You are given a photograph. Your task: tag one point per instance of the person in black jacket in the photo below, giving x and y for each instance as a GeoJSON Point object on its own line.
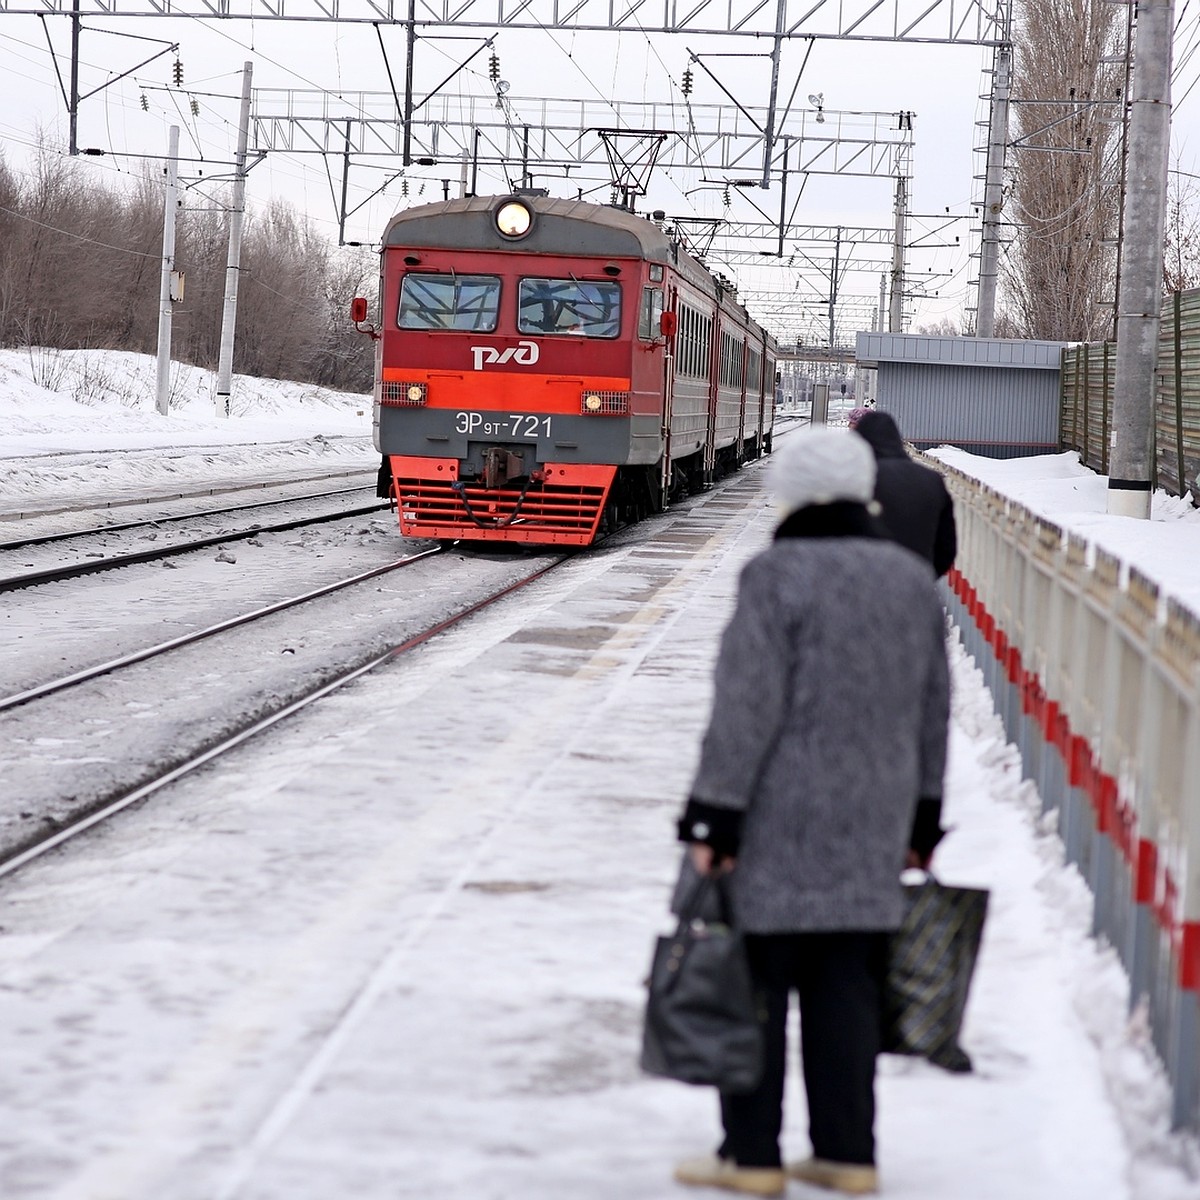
{"type": "Point", "coordinates": [917, 509]}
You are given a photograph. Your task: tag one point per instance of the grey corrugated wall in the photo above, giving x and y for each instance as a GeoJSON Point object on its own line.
{"type": "Point", "coordinates": [996, 411]}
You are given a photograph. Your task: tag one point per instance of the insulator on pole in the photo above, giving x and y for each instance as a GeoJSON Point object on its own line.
{"type": "Point", "coordinates": [687, 82]}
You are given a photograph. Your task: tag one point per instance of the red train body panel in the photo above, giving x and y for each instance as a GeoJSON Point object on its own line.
{"type": "Point", "coordinates": [528, 385]}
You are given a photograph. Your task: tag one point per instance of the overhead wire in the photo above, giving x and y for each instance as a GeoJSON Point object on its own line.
{"type": "Point", "coordinates": [79, 237]}
{"type": "Point", "coordinates": [300, 169]}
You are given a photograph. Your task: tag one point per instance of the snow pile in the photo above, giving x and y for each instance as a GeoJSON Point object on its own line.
{"type": "Point", "coordinates": [78, 422]}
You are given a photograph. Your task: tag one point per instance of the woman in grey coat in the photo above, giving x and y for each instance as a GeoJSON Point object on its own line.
{"type": "Point", "coordinates": [820, 773]}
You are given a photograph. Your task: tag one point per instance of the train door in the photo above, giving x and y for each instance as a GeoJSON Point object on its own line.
{"type": "Point", "coordinates": [668, 390]}
{"type": "Point", "coordinates": [714, 391]}
{"type": "Point", "coordinates": [743, 375]}
{"type": "Point", "coordinates": [760, 397]}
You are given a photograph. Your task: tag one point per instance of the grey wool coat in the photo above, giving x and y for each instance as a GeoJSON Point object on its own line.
{"type": "Point", "coordinates": [829, 720]}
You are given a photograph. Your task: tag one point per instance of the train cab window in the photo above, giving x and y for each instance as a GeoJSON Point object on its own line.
{"type": "Point", "coordinates": [650, 314]}
{"type": "Point", "coordinates": [469, 303]}
{"type": "Point", "coordinates": [583, 307]}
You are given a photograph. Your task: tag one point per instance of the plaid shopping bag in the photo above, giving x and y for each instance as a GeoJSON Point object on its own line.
{"type": "Point", "coordinates": [932, 960]}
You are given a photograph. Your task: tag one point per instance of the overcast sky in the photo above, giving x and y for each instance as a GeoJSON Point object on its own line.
{"type": "Point", "coordinates": [940, 84]}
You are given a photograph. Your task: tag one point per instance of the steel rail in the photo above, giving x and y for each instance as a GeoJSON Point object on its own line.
{"type": "Point", "coordinates": [111, 806]}
{"type": "Point", "coordinates": [54, 574]}
{"type": "Point", "coordinates": [125, 526]}
{"type": "Point", "coordinates": [187, 639]}
{"type": "Point", "coordinates": [224, 488]}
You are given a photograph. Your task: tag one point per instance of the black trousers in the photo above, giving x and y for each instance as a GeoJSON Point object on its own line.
{"type": "Point", "coordinates": [839, 978]}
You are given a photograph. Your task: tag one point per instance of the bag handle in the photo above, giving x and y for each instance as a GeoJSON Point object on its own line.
{"type": "Point", "coordinates": [695, 904]}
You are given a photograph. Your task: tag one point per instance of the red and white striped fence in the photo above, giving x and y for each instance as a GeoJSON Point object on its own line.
{"type": "Point", "coordinates": [1097, 679]}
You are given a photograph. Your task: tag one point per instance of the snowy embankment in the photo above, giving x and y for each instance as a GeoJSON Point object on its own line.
{"type": "Point", "coordinates": [79, 424]}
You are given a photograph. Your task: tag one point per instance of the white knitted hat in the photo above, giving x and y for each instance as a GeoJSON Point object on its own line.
{"type": "Point", "coordinates": [820, 465]}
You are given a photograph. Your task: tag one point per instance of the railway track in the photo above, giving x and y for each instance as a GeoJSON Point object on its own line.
{"type": "Point", "coordinates": [50, 539]}
{"type": "Point", "coordinates": [111, 562]}
{"type": "Point", "coordinates": [21, 852]}
{"type": "Point", "coordinates": [20, 508]}
{"type": "Point", "coordinates": [50, 687]}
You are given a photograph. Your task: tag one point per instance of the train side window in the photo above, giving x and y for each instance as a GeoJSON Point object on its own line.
{"type": "Point", "coordinates": [688, 349]}
{"type": "Point", "coordinates": [583, 307]}
{"type": "Point", "coordinates": [469, 303]}
{"type": "Point", "coordinates": [753, 371]}
{"type": "Point", "coordinates": [651, 313]}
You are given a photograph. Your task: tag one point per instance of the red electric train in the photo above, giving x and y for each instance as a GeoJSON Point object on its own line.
{"type": "Point", "coordinates": [546, 368]}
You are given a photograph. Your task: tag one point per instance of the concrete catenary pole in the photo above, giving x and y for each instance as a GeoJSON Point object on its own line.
{"type": "Point", "coordinates": [162, 387]}
{"type": "Point", "coordinates": [993, 193]}
{"type": "Point", "coordinates": [1139, 305]}
{"type": "Point", "coordinates": [73, 102]}
{"type": "Point", "coordinates": [896, 305]}
{"type": "Point", "coordinates": [234, 260]}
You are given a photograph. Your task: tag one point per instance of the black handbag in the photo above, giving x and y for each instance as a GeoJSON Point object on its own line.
{"type": "Point", "coordinates": [703, 1020]}
{"type": "Point", "coordinates": [932, 960]}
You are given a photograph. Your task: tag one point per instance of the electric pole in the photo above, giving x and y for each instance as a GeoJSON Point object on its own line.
{"type": "Point", "coordinates": [161, 400]}
{"type": "Point", "coordinates": [993, 193]}
{"type": "Point", "coordinates": [896, 307]}
{"type": "Point", "coordinates": [1139, 304]}
{"type": "Point", "coordinates": [234, 260]}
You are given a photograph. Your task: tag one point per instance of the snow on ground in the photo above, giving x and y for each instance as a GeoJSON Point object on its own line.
{"type": "Point", "coordinates": [1060, 489]}
{"type": "Point", "coordinates": [81, 421]}
{"type": "Point", "coordinates": [275, 1002]}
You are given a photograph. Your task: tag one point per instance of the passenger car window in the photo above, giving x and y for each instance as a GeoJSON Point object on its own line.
{"type": "Point", "coordinates": [651, 312]}
{"type": "Point", "coordinates": [462, 302]}
{"type": "Point", "coordinates": [588, 308]}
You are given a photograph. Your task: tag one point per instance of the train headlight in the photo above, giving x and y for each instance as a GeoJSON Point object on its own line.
{"type": "Point", "coordinates": [514, 219]}
{"type": "Point", "coordinates": [604, 404]}
{"type": "Point", "coordinates": [402, 393]}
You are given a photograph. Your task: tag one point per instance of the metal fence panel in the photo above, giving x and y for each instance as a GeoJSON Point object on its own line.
{"type": "Point", "coordinates": [1097, 678]}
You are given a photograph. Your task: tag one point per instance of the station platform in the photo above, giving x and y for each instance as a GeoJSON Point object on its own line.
{"type": "Point", "coordinates": [398, 949]}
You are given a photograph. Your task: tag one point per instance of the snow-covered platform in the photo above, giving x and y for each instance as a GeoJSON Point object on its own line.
{"type": "Point", "coordinates": [397, 949]}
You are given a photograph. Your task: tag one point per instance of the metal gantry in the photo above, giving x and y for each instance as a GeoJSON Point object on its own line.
{"type": "Point", "coordinates": [558, 135]}
{"type": "Point", "coordinates": [953, 22]}
{"type": "Point", "coordinates": [755, 151]}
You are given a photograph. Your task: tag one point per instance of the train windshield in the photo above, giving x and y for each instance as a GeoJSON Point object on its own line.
{"type": "Point", "coordinates": [591, 308]}
{"type": "Point", "coordinates": [462, 302]}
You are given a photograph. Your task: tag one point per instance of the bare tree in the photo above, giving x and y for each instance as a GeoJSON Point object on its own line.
{"type": "Point", "coordinates": [1181, 252]}
{"type": "Point", "coordinates": [943, 328]}
{"type": "Point", "coordinates": [81, 268]}
{"type": "Point", "coordinates": [1068, 90]}
{"type": "Point", "coordinates": [202, 240]}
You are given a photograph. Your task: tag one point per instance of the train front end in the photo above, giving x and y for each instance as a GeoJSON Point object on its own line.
{"type": "Point", "coordinates": [508, 391]}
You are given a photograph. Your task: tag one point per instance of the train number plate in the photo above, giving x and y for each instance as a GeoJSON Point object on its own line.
{"type": "Point", "coordinates": [512, 425]}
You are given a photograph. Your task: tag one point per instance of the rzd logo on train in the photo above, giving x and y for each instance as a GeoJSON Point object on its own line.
{"type": "Point", "coordinates": [525, 353]}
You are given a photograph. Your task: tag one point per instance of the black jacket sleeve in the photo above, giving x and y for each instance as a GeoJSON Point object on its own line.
{"type": "Point", "coordinates": [945, 541]}
{"type": "Point", "coordinates": [720, 828]}
{"type": "Point", "coordinates": [927, 828]}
